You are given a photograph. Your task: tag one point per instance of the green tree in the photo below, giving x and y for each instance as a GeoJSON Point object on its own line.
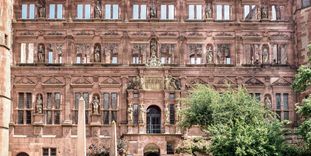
{"type": "Point", "coordinates": [301, 83]}
{"type": "Point", "coordinates": [236, 122]}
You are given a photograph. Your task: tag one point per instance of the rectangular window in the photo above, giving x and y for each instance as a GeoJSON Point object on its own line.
{"type": "Point", "coordinates": [195, 12]}
{"type": "Point", "coordinates": [278, 101]}
{"type": "Point", "coordinates": [52, 11]}
{"type": "Point", "coordinates": [83, 11]}
{"type": "Point", "coordinates": [167, 12]}
{"type": "Point", "coordinates": [52, 108]}
{"type": "Point", "coordinates": [250, 12]}
{"type": "Point", "coordinates": [285, 101]}
{"type": "Point", "coordinates": [28, 11]}
{"type": "Point", "coordinates": [306, 3]}
{"type": "Point", "coordinates": [139, 11]}
{"type": "Point", "coordinates": [49, 151]}
{"type": "Point", "coordinates": [76, 107]}
{"type": "Point", "coordinates": [223, 12]}
{"type": "Point", "coordinates": [24, 11]}
{"type": "Point", "coordinates": [110, 104]}
{"type": "Point", "coordinates": [111, 11]}
{"type": "Point", "coordinates": [257, 96]}
{"type": "Point", "coordinates": [50, 57]}
{"type": "Point", "coordinates": [56, 11]}
{"type": "Point", "coordinates": [59, 11]}
{"type": "Point", "coordinates": [170, 148]}
{"type": "Point", "coordinates": [27, 53]}
{"type": "Point", "coordinates": [273, 12]}
{"type": "Point", "coordinates": [114, 60]}
{"type": "Point", "coordinates": [172, 114]}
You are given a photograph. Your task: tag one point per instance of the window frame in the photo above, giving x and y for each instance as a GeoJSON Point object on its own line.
{"type": "Point", "coordinates": [111, 8]}
{"type": "Point", "coordinates": [57, 15]}
{"type": "Point", "coordinates": [195, 12]}
{"type": "Point", "coordinates": [140, 15]}
{"type": "Point", "coordinates": [30, 14]}
{"type": "Point", "coordinates": [223, 12]}
{"type": "Point", "coordinates": [167, 12]}
{"type": "Point", "coordinates": [85, 7]}
{"type": "Point", "coordinates": [25, 108]}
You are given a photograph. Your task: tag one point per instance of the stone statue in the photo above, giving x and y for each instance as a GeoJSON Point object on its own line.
{"type": "Point", "coordinates": [142, 115]}
{"type": "Point", "coordinates": [208, 11]}
{"type": "Point", "coordinates": [95, 105]}
{"type": "Point", "coordinates": [39, 104]}
{"type": "Point", "coordinates": [41, 8]}
{"type": "Point", "coordinates": [265, 55]}
{"type": "Point", "coordinates": [97, 53]}
{"type": "Point", "coordinates": [130, 114]}
{"type": "Point", "coordinates": [268, 102]}
{"type": "Point", "coordinates": [257, 54]}
{"type": "Point", "coordinates": [41, 53]}
{"type": "Point", "coordinates": [167, 115]}
{"type": "Point", "coordinates": [209, 55]}
{"type": "Point", "coordinates": [171, 83]}
{"type": "Point", "coordinates": [98, 9]}
{"type": "Point", "coordinates": [278, 12]}
{"type": "Point", "coordinates": [153, 47]}
{"type": "Point", "coordinates": [264, 12]}
{"type": "Point", "coordinates": [153, 11]}
{"type": "Point", "coordinates": [142, 83]}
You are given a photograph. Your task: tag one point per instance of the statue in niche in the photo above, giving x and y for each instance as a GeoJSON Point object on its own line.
{"type": "Point", "coordinates": [142, 115]}
{"type": "Point", "coordinates": [142, 83]}
{"type": "Point", "coordinates": [167, 115]}
{"type": "Point", "coordinates": [278, 12]}
{"type": "Point", "coordinates": [41, 8]}
{"type": "Point", "coordinates": [209, 54]}
{"type": "Point", "coordinates": [268, 102]}
{"type": "Point", "coordinates": [264, 12]}
{"type": "Point", "coordinates": [208, 10]}
{"type": "Point", "coordinates": [265, 55]}
{"type": "Point", "coordinates": [41, 53]}
{"type": "Point", "coordinates": [130, 114]}
{"type": "Point", "coordinates": [39, 104]}
{"type": "Point", "coordinates": [59, 49]}
{"type": "Point", "coordinates": [153, 47]}
{"type": "Point", "coordinates": [97, 53]}
{"type": "Point", "coordinates": [95, 105]}
{"type": "Point", "coordinates": [257, 54]}
{"type": "Point", "coordinates": [98, 9]}
{"type": "Point", "coordinates": [153, 11]}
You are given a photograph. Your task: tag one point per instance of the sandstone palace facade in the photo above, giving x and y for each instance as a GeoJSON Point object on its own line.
{"type": "Point", "coordinates": [132, 61]}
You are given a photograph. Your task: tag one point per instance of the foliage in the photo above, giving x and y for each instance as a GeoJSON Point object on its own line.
{"type": "Point", "coordinates": [302, 79]}
{"type": "Point", "coordinates": [301, 83]}
{"type": "Point", "coordinates": [193, 146]}
{"type": "Point", "coordinates": [237, 122]}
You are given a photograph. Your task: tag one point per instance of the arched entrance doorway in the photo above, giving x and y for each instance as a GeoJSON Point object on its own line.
{"type": "Point", "coordinates": [22, 154]}
{"type": "Point", "coordinates": [151, 150]}
{"type": "Point", "coordinates": [153, 119]}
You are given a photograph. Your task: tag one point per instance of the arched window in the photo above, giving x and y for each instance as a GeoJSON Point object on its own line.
{"type": "Point", "coordinates": [22, 154]}
{"type": "Point", "coordinates": [153, 119]}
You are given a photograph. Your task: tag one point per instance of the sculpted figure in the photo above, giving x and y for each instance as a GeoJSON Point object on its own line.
{"type": "Point", "coordinates": [153, 11]}
{"type": "Point", "coordinates": [208, 11]}
{"type": "Point", "coordinates": [142, 115]}
{"type": "Point", "coordinates": [265, 55]}
{"type": "Point", "coordinates": [130, 114]}
{"type": "Point", "coordinates": [97, 54]}
{"type": "Point", "coordinates": [41, 53]}
{"type": "Point", "coordinates": [209, 54]}
{"type": "Point", "coordinates": [41, 8]}
{"type": "Point", "coordinates": [95, 104]}
{"type": "Point", "coordinates": [268, 102]}
{"type": "Point", "coordinates": [153, 47]}
{"type": "Point", "coordinates": [98, 9]}
{"type": "Point", "coordinates": [167, 115]}
{"type": "Point", "coordinates": [39, 104]}
{"type": "Point", "coordinates": [264, 12]}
